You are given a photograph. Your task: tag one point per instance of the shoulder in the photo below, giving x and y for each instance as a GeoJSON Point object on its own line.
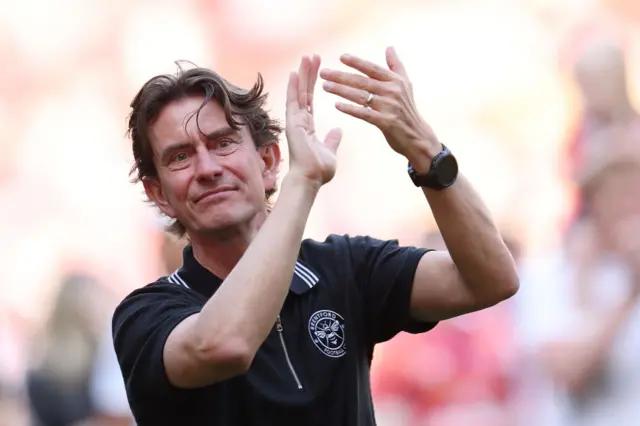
{"type": "Point", "coordinates": [141, 325]}
{"type": "Point", "coordinates": [160, 290]}
{"type": "Point", "coordinates": [361, 254]}
{"type": "Point", "coordinates": [332, 242]}
{"type": "Point", "coordinates": [153, 301]}
{"type": "Point", "coordinates": [340, 244]}
{"type": "Point", "coordinates": [358, 249]}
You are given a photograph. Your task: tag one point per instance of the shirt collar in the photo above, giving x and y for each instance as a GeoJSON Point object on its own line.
{"type": "Point", "coordinates": [196, 277]}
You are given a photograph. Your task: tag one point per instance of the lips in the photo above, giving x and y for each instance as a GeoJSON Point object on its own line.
{"type": "Point", "coordinates": [218, 190]}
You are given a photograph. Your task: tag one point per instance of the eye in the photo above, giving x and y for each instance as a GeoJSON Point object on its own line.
{"type": "Point", "coordinates": [179, 157]}
{"type": "Point", "coordinates": [225, 146]}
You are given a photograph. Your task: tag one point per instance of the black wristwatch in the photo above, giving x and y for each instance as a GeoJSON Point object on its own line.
{"type": "Point", "coordinates": [442, 173]}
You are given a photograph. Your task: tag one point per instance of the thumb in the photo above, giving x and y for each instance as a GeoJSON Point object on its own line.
{"type": "Point", "coordinates": [333, 138]}
{"type": "Point", "coordinates": [394, 62]}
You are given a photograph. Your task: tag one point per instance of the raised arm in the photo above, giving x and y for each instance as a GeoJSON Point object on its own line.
{"type": "Point", "coordinates": [478, 270]}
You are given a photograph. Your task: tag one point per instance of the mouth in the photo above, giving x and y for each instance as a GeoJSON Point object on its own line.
{"type": "Point", "coordinates": [218, 192]}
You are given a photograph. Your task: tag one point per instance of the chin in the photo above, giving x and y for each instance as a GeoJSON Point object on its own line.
{"type": "Point", "coordinates": [224, 220]}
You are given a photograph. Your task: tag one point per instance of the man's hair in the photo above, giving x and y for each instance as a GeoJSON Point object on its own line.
{"type": "Point", "coordinates": [241, 107]}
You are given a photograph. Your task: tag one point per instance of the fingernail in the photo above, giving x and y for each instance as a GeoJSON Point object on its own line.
{"type": "Point", "coordinates": [346, 57]}
{"type": "Point", "coordinates": [339, 105]}
{"type": "Point", "coordinates": [327, 85]}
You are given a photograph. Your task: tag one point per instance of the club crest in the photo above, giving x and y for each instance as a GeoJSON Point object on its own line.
{"type": "Point", "coordinates": [326, 329]}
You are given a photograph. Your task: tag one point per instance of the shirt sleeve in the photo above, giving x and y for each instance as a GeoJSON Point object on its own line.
{"type": "Point", "coordinates": [141, 325]}
{"type": "Point", "coordinates": [384, 273]}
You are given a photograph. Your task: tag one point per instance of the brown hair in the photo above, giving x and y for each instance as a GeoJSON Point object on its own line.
{"type": "Point", "coordinates": [241, 107]}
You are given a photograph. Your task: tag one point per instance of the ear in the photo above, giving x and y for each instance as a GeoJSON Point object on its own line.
{"type": "Point", "coordinates": [154, 191]}
{"type": "Point", "coordinates": [271, 157]}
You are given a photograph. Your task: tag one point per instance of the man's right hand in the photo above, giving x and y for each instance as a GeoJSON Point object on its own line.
{"type": "Point", "coordinates": [309, 158]}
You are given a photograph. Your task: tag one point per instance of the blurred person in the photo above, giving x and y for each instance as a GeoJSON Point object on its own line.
{"type": "Point", "coordinates": [64, 353]}
{"type": "Point", "coordinates": [106, 389]}
{"type": "Point", "coordinates": [581, 351]}
{"type": "Point", "coordinates": [460, 373]}
{"type": "Point", "coordinates": [259, 327]}
{"type": "Point", "coordinates": [601, 75]}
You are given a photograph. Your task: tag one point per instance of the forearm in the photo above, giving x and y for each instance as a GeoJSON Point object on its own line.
{"type": "Point", "coordinates": [473, 241]}
{"type": "Point", "coordinates": [247, 303]}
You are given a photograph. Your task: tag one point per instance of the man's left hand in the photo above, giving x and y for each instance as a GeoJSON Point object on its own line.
{"type": "Point", "coordinates": [384, 98]}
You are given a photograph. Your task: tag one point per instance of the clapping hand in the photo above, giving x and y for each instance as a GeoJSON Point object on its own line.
{"type": "Point", "coordinates": [384, 98]}
{"type": "Point", "coordinates": [309, 158]}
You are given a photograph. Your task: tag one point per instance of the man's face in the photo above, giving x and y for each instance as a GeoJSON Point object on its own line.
{"type": "Point", "coordinates": [212, 182]}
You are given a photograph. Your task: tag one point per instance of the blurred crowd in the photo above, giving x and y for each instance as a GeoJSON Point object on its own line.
{"type": "Point", "coordinates": [538, 98]}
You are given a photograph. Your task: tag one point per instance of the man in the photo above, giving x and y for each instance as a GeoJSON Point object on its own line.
{"type": "Point", "coordinates": [258, 327]}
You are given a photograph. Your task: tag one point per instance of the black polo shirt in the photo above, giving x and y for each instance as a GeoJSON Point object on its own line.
{"type": "Point", "coordinates": [347, 294]}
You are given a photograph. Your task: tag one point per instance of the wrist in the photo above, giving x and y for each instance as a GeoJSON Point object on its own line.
{"type": "Point", "coordinates": [296, 197]}
{"type": "Point", "coordinates": [299, 184]}
{"type": "Point", "coordinates": [421, 155]}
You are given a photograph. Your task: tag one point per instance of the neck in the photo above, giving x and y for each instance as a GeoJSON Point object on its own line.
{"type": "Point", "coordinates": [220, 251]}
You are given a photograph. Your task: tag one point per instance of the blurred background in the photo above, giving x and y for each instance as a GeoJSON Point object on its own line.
{"type": "Point", "coordinates": [537, 98]}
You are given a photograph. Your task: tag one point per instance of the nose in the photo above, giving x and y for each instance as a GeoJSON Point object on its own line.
{"type": "Point", "coordinates": [207, 165]}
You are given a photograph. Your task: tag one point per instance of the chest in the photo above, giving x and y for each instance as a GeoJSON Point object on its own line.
{"type": "Point", "coordinates": [312, 369]}
{"type": "Point", "coordinates": [313, 347]}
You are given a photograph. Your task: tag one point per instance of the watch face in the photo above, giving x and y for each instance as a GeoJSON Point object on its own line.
{"type": "Point", "coordinates": [447, 170]}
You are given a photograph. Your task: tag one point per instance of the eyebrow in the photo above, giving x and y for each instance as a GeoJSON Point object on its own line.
{"type": "Point", "coordinates": [216, 134]}
{"type": "Point", "coordinates": [168, 151]}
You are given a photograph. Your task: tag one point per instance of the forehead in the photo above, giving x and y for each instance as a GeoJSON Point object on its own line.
{"type": "Point", "coordinates": [176, 122]}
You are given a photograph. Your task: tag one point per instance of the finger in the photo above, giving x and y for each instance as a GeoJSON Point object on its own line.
{"type": "Point", "coordinates": [292, 93]}
{"type": "Point", "coordinates": [333, 138]}
{"type": "Point", "coordinates": [303, 76]}
{"type": "Point", "coordinates": [349, 93]}
{"type": "Point", "coordinates": [313, 78]}
{"type": "Point", "coordinates": [394, 63]}
{"type": "Point", "coordinates": [367, 114]}
{"type": "Point", "coordinates": [367, 68]}
{"type": "Point", "coordinates": [352, 80]}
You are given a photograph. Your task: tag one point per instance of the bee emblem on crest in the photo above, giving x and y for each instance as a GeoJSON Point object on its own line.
{"type": "Point", "coordinates": [326, 329]}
